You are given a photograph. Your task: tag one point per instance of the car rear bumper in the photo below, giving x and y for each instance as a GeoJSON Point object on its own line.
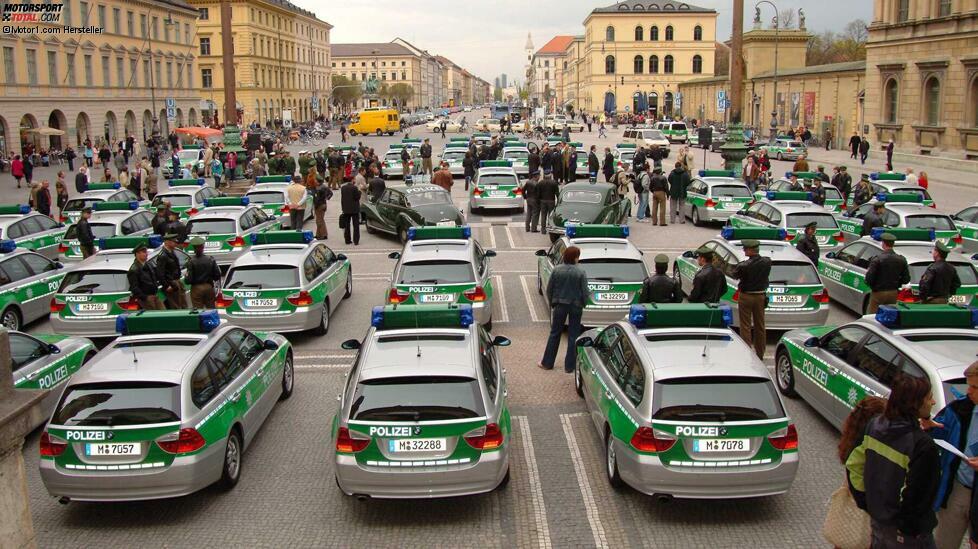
{"type": "Point", "coordinates": [510, 203]}
{"type": "Point", "coordinates": [787, 318]}
{"type": "Point", "coordinates": [302, 319]}
{"type": "Point", "coordinates": [90, 326]}
{"type": "Point", "coordinates": [602, 315]}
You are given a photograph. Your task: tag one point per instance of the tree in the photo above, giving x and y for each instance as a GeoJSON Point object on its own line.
{"type": "Point", "coordinates": [787, 18]}
{"type": "Point", "coordinates": [401, 93]}
{"type": "Point", "coordinates": [829, 47]}
{"type": "Point", "coordinates": [345, 91]}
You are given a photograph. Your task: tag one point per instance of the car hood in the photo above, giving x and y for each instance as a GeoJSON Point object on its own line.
{"type": "Point", "coordinates": [437, 212]}
{"type": "Point", "coordinates": [576, 212]}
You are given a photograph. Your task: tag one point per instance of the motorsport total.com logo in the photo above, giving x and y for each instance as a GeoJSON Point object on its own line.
{"type": "Point", "coordinates": [31, 13]}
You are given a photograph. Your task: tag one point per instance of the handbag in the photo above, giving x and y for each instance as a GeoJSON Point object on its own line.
{"type": "Point", "coordinates": [344, 221]}
{"type": "Point", "coordinates": [846, 525]}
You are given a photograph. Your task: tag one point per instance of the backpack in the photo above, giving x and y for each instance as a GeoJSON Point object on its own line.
{"type": "Point", "coordinates": [640, 184]}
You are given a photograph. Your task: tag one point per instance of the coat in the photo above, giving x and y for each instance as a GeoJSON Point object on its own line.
{"type": "Point", "coordinates": [81, 182]}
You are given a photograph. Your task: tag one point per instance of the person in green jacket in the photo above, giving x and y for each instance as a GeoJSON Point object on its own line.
{"type": "Point", "coordinates": [678, 183]}
{"type": "Point", "coordinates": [287, 164]}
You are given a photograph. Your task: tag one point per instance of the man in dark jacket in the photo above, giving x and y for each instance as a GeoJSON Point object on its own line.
{"type": "Point", "coordinates": [168, 273]}
{"type": "Point", "coordinates": [940, 281]}
{"type": "Point", "coordinates": [533, 161]}
{"type": "Point", "coordinates": [377, 186]}
{"type": "Point", "coordinates": [532, 202]}
{"type": "Point", "coordinates": [160, 219]}
{"type": "Point", "coordinates": [659, 186]}
{"type": "Point", "coordinates": [547, 191]}
{"type": "Point", "coordinates": [570, 167]}
{"type": "Point", "coordinates": [608, 167]}
{"type": "Point", "coordinates": [175, 226]}
{"type": "Point", "coordinates": [566, 293]}
{"type": "Point", "coordinates": [661, 288]}
{"type": "Point", "coordinates": [678, 183]}
{"type": "Point", "coordinates": [807, 244]}
{"type": "Point", "coordinates": [320, 198]}
{"type": "Point", "coordinates": [143, 281]}
{"type": "Point", "coordinates": [873, 219]}
{"type": "Point", "coordinates": [638, 161]}
{"type": "Point", "coordinates": [426, 167]}
{"type": "Point", "coordinates": [350, 213]}
{"type": "Point", "coordinates": [546, 161]}
{"type": "Point", "coordinates": [203, 275]}
{"type": "Point", "coordinates": [84, 234]}
{"type": "Point", "coordinates": [709, 284]}
{"type": "Point", "coordinates": [886, 274]}
{"type": "Point", "coordinates": [593, 164]}
{"type": "Point", "coordinates": [753, 280]}
{"type": "Point", "coordinates": [844, 183]}
{"type": "Point", "coordinates": [81, 179]}
{"type": "Point", "coordinates": [42, 200]}
{"type": "Point", "coordinates": [854, 142]}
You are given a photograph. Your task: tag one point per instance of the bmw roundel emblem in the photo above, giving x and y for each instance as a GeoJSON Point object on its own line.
{"type": "Point", "coordinates": [723, 431]}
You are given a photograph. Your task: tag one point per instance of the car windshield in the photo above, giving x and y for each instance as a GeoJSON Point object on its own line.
{"type": "Point", "coordinates": [613, 270]}
{"type": "Point", "coordinates": [715, 399]}
{"type": "Point", "coordinates": [117, 404]}
{"type": "Point", "coordinates": [188, 155]}
{"type": "Point", "coordinates": [94, 282]}
{"type": "Point", "coordinates": [266, 197]}
{"type": "Point", "coordinates": [936, 222]}
{"type": "Point", "coordinates": [78, 204]}
{"type": "Point", "coordinates": [800, 220]}
{"type": "Point", "coordinates": [100, 230]}
{"type": "Point", "coordinates": [262, 277]}
{"type": "Point", "coordinates": [733, 191]}
{"type": "Point", "coordinates": [173, 199]}
{"type": "Point", "coordinates": [791, 273]}
{"type": "Point", "coordinates": [426, 198]}
{"type": "Point", "coordinates": [627, 156]}
{"type": "Point", "coordinates": [965, 271]}
{"type": "Point", "coordinates": [516, 155]}
{"type": "Point", "coordinates": [419, 398]}
{"type": "Point", "coordinates": [832, 193]}
{"type": "Point", "coordinates": [393, 155]}
{"type": "Point", "coordinates": [586, 197]}
{"type": "Point", "coordinates": [500, 179]}
{"type": "Point", "coordinates": [210, 226]}
{"type": "Point", "coordinates": [653, 134]}
{"type": "Point", "coordinates": [436, 272]}
{"type": "Point", "coordinates": [451, 156]}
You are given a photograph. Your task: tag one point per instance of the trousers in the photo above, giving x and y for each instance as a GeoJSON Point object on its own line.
{"type": "Point", "coordinates": [559, 315]}
{"type": "Point", "coordinates": [202, 295]}
{"type": "Point", "coordinates": [320, 214]}
{"type": "Point", "coordinates": [883, 297]}
{"type": "Point", "coordinates": [151, 303]}
{"type": "Point", "coordinates": [296, 218]}
{"type": "Point", "coordinates": [176, 295]}
{"type": "Point", "coordinates": [750, 309]}
{"type": "Point", "coordinates": [659, 200]}
{"type": "Point", "coordinates": [532, 214]}
{"type": "Point", "coordinates": [953, 520]}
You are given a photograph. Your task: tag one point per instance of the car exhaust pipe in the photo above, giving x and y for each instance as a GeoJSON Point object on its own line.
{"type": "Point", "coordinates": [361, 497]}
{"type": "Point", "coordinates": [663, 499]}
{"type": "Point", "coordinates": [64, 500]}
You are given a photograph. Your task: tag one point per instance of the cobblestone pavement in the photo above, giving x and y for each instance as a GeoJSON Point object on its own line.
{"type": "Point", "coordinates": [558, 496]}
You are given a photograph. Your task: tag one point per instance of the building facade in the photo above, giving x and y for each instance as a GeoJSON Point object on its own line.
{"type": "Point", "coordinates": [431, 86]}
{"type": "Point", "coordinates": [100, 86]}
{"type": "Point", "coordinates": [387, 62]}
{"type": "Point", "coordinates": [281, 60]}
{"type": "Point", "coordinates": [573, 67]}
{"type": "Point", "coordinates": [546, 87]}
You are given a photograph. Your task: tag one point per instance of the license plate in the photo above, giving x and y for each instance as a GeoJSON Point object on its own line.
{"type": "Point", "coordinates": [409, 445]}
{"type": "Point", "coordinates": [821, 239]}
{"type": "Point", "coordinates": [499, 193]}
{"type": "Point", "coordinates": [437, 298]}
{"type": "Point", "coordinates": [611, 296]}
{"type": "Point", "coordinates": [92, 307]}
{"type": "Point", "coordinates": [959, 299]}
{"type": "Point", "coordinates": [721, 445]}
{"type": "Point", "coordinates": [261, 302]}
{"type": "Point", "coordinates": [786, 299]}
{"type": "Point", "coordinates": [113, 449]}
{"type": "Point", "coordinates": [212, 245]}
{"type": "Point", "coordinates": [489, 187]}
{"type": "Point", "coordinates": [732, 205]}
{"type": "Point", "coordinates": [445, 224]}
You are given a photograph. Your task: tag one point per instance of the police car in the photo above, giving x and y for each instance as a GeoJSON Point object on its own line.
{"type": "Point", "coordinates": [393, 167]}
{"type": "Point", "coordinates": [96, 291]}
{"type": "Point", "coordinates": [454, 154]}
{"type": "Point", "coordinates": [833, 197]}
{"type": "Point", "coordinates": [185, 196]}
{"type": "Point", "coordinates": [844, 271]}
{"type": "Point", "coordinates": [403, 207]}
{"type": "Point", "coordinates": [518, 156]}
{"type": "Point", "coordinates": [784, 149]}
{"type": "Point", "coordinates": [791, 211]}
{"type": "Point", "coordinates": [44, 362]}
{"type": "Point", "coordinates": [966, 221]}
{"type": "Point", "coordinates": [273, 199]}
{"type": "Point", "coordinates": [614, 267]}
{"type": "Point", "coordinates": [480, 139]}
{"type": "Point", "coordinates": [587, 203]}
{"type": "Point", "coordinates": [684, 407]}
{"type": "Point", "coordinates": [31, 230]}
{"type": "Point", "coordinates": [896, 183]}
{"type": "Point", "coordinates": [795, 295]}
{"type": "Point", "coordinates": [27, 280]}
{"type": "Point", "coordinates": [165, 410]}
{"type": "Point", "coordinates": [442, 265]}
{"type": "Point", "coordinates": [834, 367]}
{"type": "Point", "coordinates": [98, 192]}
{"type": "Point", "coordinates": [286, 282]}
{"type": "Point", "coordinates": [226, 225]}
{"type": "Point", "coordinates": [424, 413]}
{"type": "Point", "coordinates": [190, 156]}
{"type": "Point", "coordinates": [715, 195]}
{"type": "Point", "coordinates": [903, 210]}
{"type": "Point", "coordinates": [624, 154]}
{"type": "Point", "coordinates": [109, 219]}
{"type": "Point", "coordinates": [496, 186]}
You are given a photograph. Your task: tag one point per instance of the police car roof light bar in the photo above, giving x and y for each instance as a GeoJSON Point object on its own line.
{"type": "Point", "coordinates": [411, 140]}
{"type": "Point", "coordinates": [432, 233]}
{"type": "Point", "coordinates": [199, 182]}
{"type": "Point", "coordinates": [906, 315]}
{"type": "Point", "coordinates": [104, 186]}
{"type": "Point", "coordinates": [282, 237]}
{"type": "Point", "coordinates": [115, 205]}
{"type": "Point", "coordinates": [628, 146]}
{"type": "Point", "coordinates": [900, 197]}
{"type": "Point", "coordinates": [717, 173]}
{"type": "Point", "coordinates": [495, 163]}
{"type": "Point", "coordinates": [14, 209]}
{"type": "Point", "coordinates": [680, 315]}
{"type": "Point", "coordinates": [227, 201]}
{"type": "Point", "coordinates": [7, 246]}
{"type": "Point", "coordinates": [789, 195]}
{"type": "Point", "coordinates": [422, 316]}
{"type": "Point", "coordinates": [574, 230]}
{"type": "Point", "coordinates": [877, 176]}
{"type": "Point", "coordinates": [129, 242]}
{"type": "Point", "coordinates": [802, 175]}
{"type": "Point", "coordinates": [273, 179]}
{"type": "Point", "coordinates": [172, 322]}
{"type": "Point", "coordinates": [757, 233]}
{"type": "Point", "coordinates": [903, 233]}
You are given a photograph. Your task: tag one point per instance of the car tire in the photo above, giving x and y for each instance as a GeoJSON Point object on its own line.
{"type": "Point", "coordinates": [784, 373]}
{"type": "Point", "coordinates": [370, 230]}
{"type": "Point", "coordinates": [402, 235]}
{"type": "Point", "coordinates": [611, 462]}
{"type": "Point", "coordinates": [11, 319]}
{"type": "Point", "coordinates": [353, 132]}
{"type": "Point", "coordinates": [231, 468]}
{"type": "Point", "coordinates": [379, 133]}
{"type": "Point", "coordinates": [288, 377]}
{"type": "Point", "coordinates": [323, 327]}
{"type": "Point", "coordinates": [505, 482]}
{"type": "Point", "coordinates": [349, 284]}
{"type": "Point", "coordinates": [578, 382]}
{"type": "Point", "coordinates": [390, 133]}
{"type": "Point", "coordinates": [780, 156]}
{"type": "Point", "coordinates": [696, 217]}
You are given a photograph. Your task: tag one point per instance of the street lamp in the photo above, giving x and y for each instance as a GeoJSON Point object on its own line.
{"type": "Point", "coordinates": [774, 22]}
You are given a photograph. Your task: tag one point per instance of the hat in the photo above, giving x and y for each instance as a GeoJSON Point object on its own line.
{"type": "Point", "coordinates": [703, 250]}
{"type": "Point", "coordinates": [750, 243]}
{"type": "Point", "coordinates": [888, 237]}
{"type": "Point", "coordinates": [942, 248]}
{"type": "Point", "coordinates": [162, 206]}
{"type": "Point", "coordinates": [864, 177]}
{"type": "Point", "coordinates": [661, 259]}
{"type": "Point", "coordinates": [197, 241]}
{"type": "Point", "coordinates": [139, 248]}
{"type": "Point", "coordinates": [657, 169]}
{"type": "Point", "coordinates": [812, 225]}
{"type": "Point", "coordinates": [843, 168]}
{"type": "Point", "coordinates": [171, 236]}
{"type": "Point", "coordinates": [821, 167]}
{"type": "Point", "coordinates": [86, 210]}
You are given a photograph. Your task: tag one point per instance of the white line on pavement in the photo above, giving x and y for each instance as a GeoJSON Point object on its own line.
{"type": "Point", "coordinates": [590, 508]}
{"type": "Point", "coordinates": [512, 272]}
{"type": "Point", "coordinates": [536, 489]}
{"type": "Point", "coordinates": [509, 235]}
{"type": "Point", "coordinates": [311, 356]}
{"type": "Point", "coordinates": [503, 311]}
{"type": "Point", "coordinates": [492, 238]}
{"type": "Point", "coordinates": [314, 367]}
{"type": "Point", "coordinates": [529, 299]}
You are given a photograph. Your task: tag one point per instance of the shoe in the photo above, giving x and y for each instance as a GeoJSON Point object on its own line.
{"type": "Point", "coordinates": [348, 243]}
{"type": "Point", "coordinates": [542, 367]}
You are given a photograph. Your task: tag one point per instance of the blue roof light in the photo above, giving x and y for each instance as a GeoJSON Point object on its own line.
{"type": "Point", "coordinates": [377, 317]}
{"type": "Point", "coordinates": [888, 316]}
{"type": "Point", "coordinates": [636, 316]}
{"type": "Point", "coordinates": [7, 246]}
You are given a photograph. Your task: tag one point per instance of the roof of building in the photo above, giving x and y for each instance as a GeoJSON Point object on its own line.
{"type": "Point", "coordinates": [556, 45]}
{"type": "Point", "coordinates": [285, 4]}
{"type": "Point", "coordinates": [629, 6]}
{"type": "Point", "coordinates": [446, 61]}
{"type": "Point", "coordinates": [367, 49]}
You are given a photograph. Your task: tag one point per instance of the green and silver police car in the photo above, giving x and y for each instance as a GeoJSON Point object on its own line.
{"type": "Point", "coordinates": [624, 154]}
{"type": "Point", "coordinates": [424, 413]}
{"type": "Point", "coordinates": [191, 156]}
{"type": "Point", "coordinates": [675, 132]}
{"type": "Point", "coordinates": [454, 154]}
{"type": "Point", "coordinates": [784, 149]}
{"type": "Point", "coordinates": [404, 206]}
{"type": "Point", "coordinates": [393, 167]}
{"type": "Point", "coordinates": [906, 211]}
{"type": "Point", "coordinates": [588, 203]}
{"type": "Point", "coordinates": [442, 265]}
{"type": "Point", "coordinates": [791, 211]}
{"type": "Point", "coordinates": [480, 139]}
{"type": "Point", "coordinates": [844, 271]}
{"type": "Point", "coordinates": [518, 155]}
{"type": "Point", "coordinates": [166, 409]}
{"type": "Point", "coordinates": [273, 199]}
{"type": "Point", "coordinates": [185, 196]}
{"type": "Point", "coordinates": [684, 407]}
{"type": "Point", "coordinates": [45, 361]}
{"type": "Point", "coordinates": [715, 195]}
{"type": "Point", "coordinates": [614, 266]}
{"type": "Point", "coordinates": [109, 219]}
{"type": "Point", "coordinates": [966, 221]}
{"type": "Point", "coordinates": [226, 225]}
{"type": "Point", "coordinates": [286, 282]}
{"type": "Point", "coordinates": [496, 187]}
{"type": "Point", "coordinates": [833, 197]}
{"type": "Point", "coordinates": [796, 296]}
{"type": "Point", "coordinates": [31, 230]}
{"type": "Point", "coordinates": [98, 192]}
{"type": "Point", "coordinates": [896, 183]}
{"type": "Point", "coordinates": [27, 281]}
{"type": "Point", "coordinates": [834, 367]}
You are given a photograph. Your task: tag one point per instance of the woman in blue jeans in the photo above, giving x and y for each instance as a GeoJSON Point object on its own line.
{"type": "Point", "coordinates": [567, 294]}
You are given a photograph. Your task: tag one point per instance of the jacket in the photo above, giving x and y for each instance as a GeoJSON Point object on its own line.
{"type": "Point", "coordinates": [159, 224]}
{"type": "Point", "coordinates": [143, 281]}
{"type": "Point", "coordinates": [167, 266]}
{"type": "Point", "coordinates": [533, 162]}
{"type": "Point", "coordinates": [956, 421]}
{"type": "Point", "coordinates": [567, 286]}
{"type": "Point", "coordinates": [202, 270]}
{"type": "Point", "coordinates": [593, 164]}
{"type": "Point", "coordinates": [321, 196]}
{"type": "Point", "coordinates": [678, 182]}
{"type": "Point", "coordinates": [350, 199]}
{"type": "Point", "coordinates": [939, 280]}
{"type": "Point", "coordinates": [661, 288]}
{"type": "Point", "coordinates": [887, 271]}
{"type": "Point", "coordinates": [659, 183]}
{"type": "Point", "coordinates": [809, 247]}
{"type": "Point", "coordinates": [443, 178]}
{"type": "Point", "coordinates": [425, 150]}
{"type": "Point", "coordinates": [547, 190]}
{"type": "Point", "coordinates": [709, 285]}
{"type": "Point", "coordinates": [468, 166]}
{"type": "Point", "coordinates": [609, 164]}
{"type": "Point", "coordinates": [296, 194]}
{"type": "Point", "coordinates": [530, 190]}
{"type": "Point", "coordinates": [83, 231]}
{"type": "Point", "coordinates": [377, 188]}
{"type": "Point", "coordinates": [752, 274]}
{"type": "Point", "coordinates": [81, 182]}
{"type": "Point", "coordinates": [870, 222]}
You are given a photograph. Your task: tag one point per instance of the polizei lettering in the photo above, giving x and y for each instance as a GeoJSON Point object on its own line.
{"type": "Point", "coordinates": [392, 431]}
{"type": "Point", "coordinates": [86, 435]}
{"type": "Point", "coordinates": [689, 431]}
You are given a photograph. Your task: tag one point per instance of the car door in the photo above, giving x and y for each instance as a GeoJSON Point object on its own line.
{"type": "Point", "coordinates": [841, 275]}
{"type": "Point", "coordinates": [875, 367]}
{"type": "Point", "coordinates": [234, 382]}
{"type": "Point", "coordinates": [596, 378]}
{"type": "Point", "coordinates": [30, 359]}
{"type": "Point", "coordinates": [547, 265]}
{"type": "Point", "coordinates": [386, 211]}
{"type": "Point", "coordinates": [43, 282]}
{"type": "Point", "coordinates": [482, 271]}
{"type": "Point", "coordinates": [267, 377]}
{"type": "Point", "coordinates": [491, 376]}
{"type": "Point", "coordinates": [334, 283]}
{"type": "Point", "coordinates": [618, 406]}
{"type": "Point", "coordinates": [827, 379]}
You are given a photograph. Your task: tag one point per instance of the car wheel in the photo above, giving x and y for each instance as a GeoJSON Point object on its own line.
{"type": "Point", "coordinates": [349, 285]}
{"type": "Point", "coordinates": [696, 217]}
{"type": "Point", "coordinates": [323, 326]}
{"type": "Point", "coordinates": [390, 133]}
{"type": "Point", "coordinates": [784, 373]}
{"type": "Point", "coordinates": [780, 156]}
{"type": "Point", "coordinates": [379, 133]}
{"type": "Point", "coordinates": [353, 132]}
{"type": "Point", "coordinates": [231, 470]}
{"type": "Point", "coordinates": [402, 234]}
{"type": "Point", "coordinates": [288, 378]}
{"type": "Point", "coordinates": [611, 462]}
{"type": "Point", "coordinates": [578, 382]}
{"type": "Point", "coordinates": [11, 319]}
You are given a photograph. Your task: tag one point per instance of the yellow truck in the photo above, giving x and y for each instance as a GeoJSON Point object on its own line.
{"type": "Point", "coordinates": [376, 120]}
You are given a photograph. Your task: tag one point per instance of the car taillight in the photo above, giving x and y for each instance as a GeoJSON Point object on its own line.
{"type": "Point", "coordinates": [301, 299]}
{"type": "Point", "coordinates": [518, 191]}
{"type": "Point", "coordinates": [347, 443]}
{"type": "Point", "coordinates": [129, 304]}
{"type": "Point", "coordinates": [821, 296]}
{"type": "Point", "coordinates": [222, 301]}
{"type": "Point", "coordinates": [477, 191]}
{"type": "Point", "coordinates": [476, 295]}
{"type": "Point", "coordinates": [710, 203]}
{"type": "Point", "coordinates": [736, 296]}
{"type": "Point", "coordinates": [51, 446]}
{"type": "Point", "coordinates": [236, 242]}
{"type": "Point", "coordinates": [644, 440]}
{"type": "Point", "coordinates": [183, 442]}
{"type": "Point", "coordinates": [396, 296]}
{"type": "Point", "coordinates": [957, 239]}
{"type": "Point", "coordinates": [63, 218]}
{"type": "Point", "coordinates": [192, 211]}
{"type": "Point", "coordinates": [932, 205]}
{"type": "Point", "coordinates": [907, 295]}
{"type": "Point", "coordinates": [284, 209]}
{"type": "Point", "coordinates": [785, 439]}
{"type": "Point", "coordinates": [842, 206]}
{"type": "Point", "coordinates": [485, 438]}
{"type": "Point", "coordinates": [790, 236]}
{"type": "Point", "coordinates": [839, 237]}
{"type": "Point", "coordinates": [790, 150]}
{"type": "Point", "coordinates": [57, 306]}
{"type": "Point", "coordinates": [62, 248]}
{"type": "Point", "coordinates": [386, 164]}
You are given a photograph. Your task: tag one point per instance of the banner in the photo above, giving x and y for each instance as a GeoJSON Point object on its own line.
{"type": "Point", "coordinates": [779, 107]}
{"type": "Point", "coordinates": [795, 109]}
{"type": "Point", "coordinates": [809, 109]}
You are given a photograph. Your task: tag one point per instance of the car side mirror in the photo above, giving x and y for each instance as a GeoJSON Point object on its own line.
{"type": "Point", "coordinates": [585, 341]}
{"type": "Point", "coordinates": [811, 342]}
{"type": "Point", "coordinates": [540, 253]}
{"type": "Point", "coordinates": [58, 265]}
{"type": "Point", "coordinates": [830, 255]}
{"type": "Point", "coordinates": [54, 349]}
{"type": "Point", "coordinates": [270, 345]}
{"type": "Point", "coordinates": [955, 217]}
{"type": "Point", "coordinates": [350, 345]}
{"type": "Point", "coordinates": [501, 341]}
{"type": "Point", "coordinates": [490, 253]}
{"type": "Point", "coordinates": [341, 257]}
{"type": "Point", "coordinates": [689, 254]}
{"type": "Point", "coordinates": [394, 255]}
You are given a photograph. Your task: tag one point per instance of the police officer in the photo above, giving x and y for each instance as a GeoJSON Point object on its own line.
{"type": "Point", "coordinates": [661, 288]}
{"type": "Point", "coordinates": [709, 284]}
{"type": "Point", "coordinates": [752, 275]}
{"type": "Point", "coordinates": [886, 273]}
{"type": "Point", "coordinates": [175, 226]}
{"type": "Point", "coordinates": [86, 238]}
{"type": "Point", "coordinates": [808, 245]}
{"type": "Point", "coordinates": [160, 219]}
{"type": "Point", "coordinates": [873, 219]}
{"type": "Point", "coordinates": [532, 213]}
{"type": "Point", "coordinates": [143, 282]}
{"type": "Point", "coordinates": [169, 273]}
{"type": "Point", "coordinates": [940, 281]}
{"type": "Point", "coordinates": [203, 274]}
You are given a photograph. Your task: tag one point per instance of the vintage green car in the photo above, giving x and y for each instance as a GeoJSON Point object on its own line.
{"type": "Point", "coordinates": [590, 203]}
{"type": "Point", "coordinates": [405, 206]}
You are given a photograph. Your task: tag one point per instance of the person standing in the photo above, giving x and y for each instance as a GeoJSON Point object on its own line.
{"type": "Point", "coordinates": [593, 164]}
{"type": "Point", "coordinates": [863, 191]}
{"type": "Point", "coordinates": [144, 283]}
{"type": "Point", "coordinates": [350, 212]}
{"type": "Point", "coordinates": [940, 281]}
{"type": "Point", "coordinates": [818, 191]}
{"type": "Point", "coordinates": [873, 219]}
{"type": "Point", "coordinates": [710, 283]}
{"type": "Point", "coordinates": [468, 167]}
{"type": "Point", "coordinates": [426, 167]}
{"type": "Point", "coordinates": [175, 226]}
{"type": "Point", "coordinates": [889, 156]}
{"type": "Point", "coordinates": [547, 191]}
{"type": "Point", "coordinates": [752, 276]}
{"type": "Point", "coordinates": [42, 199]}
{"type": "Point", "coordinates": [678, 183]}
{"type": "Point", "coordinates": [801, 165]}
{"type": "Point", "coordinates": [168, 273]}
{"type": "Point", "coordinates": [84, 234]}
{"type": "Point", "coordinates": [532, 206]}
{"type": "Point", "coordinates": [922, 180]}
{"type": "Point", "coordinates": [807, 244]}
{"type": "Point", "coordinates": [17, 169]}
{"type": "Point", "coordinates": [61, 189]}
{"type": "Point", "coordinates": [642, 184]}
{"type": "Point", "coordinates": [863, 150]}
{"type": "Point", "coordinates": [296, 195]}
{"type": "Point", "coordinates": [377, 186]}
{"type": "Point", "coordinates": [567, 294]}
{"type": "Point", "coordinates": [886, 274]}
{"type": "Point", "coordinates": [911, 179]}
{"type": "Point", "coordinates": [443, 178]}
{"type": "Point", "coordinates": [203, 275]}
{"type": "Point", "coordinates": [828, 139]}
{"type": "Point", "coordinates": [608, 167]}
{"type": "Point", "coordinates": [320, 197]}
{"type": "Point", "coordinates": [70, 156]}
{"type": "Point", "coordinates": [28, 171]}
{"type": "Point", "coordinates": [659, 186]}
{"type": "Point", "coordinates": [360, 180]}
{"type": "Point", "coordinates": [661, 288]}
{"type": "Point", "coordinates": [854, 143]}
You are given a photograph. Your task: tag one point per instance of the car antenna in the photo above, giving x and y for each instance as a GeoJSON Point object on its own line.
{"type": "Point", "coordinates": [417, 336]}
{"type": "Point", "coordinates": [713, 307]}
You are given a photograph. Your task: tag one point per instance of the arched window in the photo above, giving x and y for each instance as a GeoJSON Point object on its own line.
{"type": "Point", "coordinates": [932, 101]}
{"type": "Point", "coordinates": [668, 64]}
{"type": "Point", "coordinates": [669, 32]}
{"type": "Point", "coordinates": [654, 33]}
{"type": "Point", "coordinates": [609, 34]}
{"type": "Point", "coordinates": [891, 94]}
{"type": "Point", "coordinates": [973, 102]}
{"type": "Point", "coordinates": [697, 32]}
{"type": "Point", "coordinates": [609, 64]}
{"type": "Point", "coordinates": [639, 64]}
{"type": "Point", "coordinates": [639, 34]}
{"type": "Point", "coordinates": [654, 64]}
{"type": "Point", "coordinates": [697, 64]}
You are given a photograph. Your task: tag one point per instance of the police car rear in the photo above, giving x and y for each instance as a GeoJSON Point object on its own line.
{"type": "Point", "coordinates": [273, 200]}
{"type": "Point", "coordinates": [226, 225]}
{"type": "Point", "coordinates": [519, 157]}
{"type": "Point", "coordinates": [97, 192]}
{"type": "Point", "coordinates": [109, 219]}
{"type": "Point", "coordinates": [624, 154]}
{"type": "Point", "coordinates": [454, 155]}
{"type": "Point", "coordinates": [715, 195]}
{"type": "Point", "coordinates": [185, 196]}
{"type": "Point", "coordinates": [792, 211]}
{"type": "Point", "coordinates": [683, 406]}
{"type": "Point", "coordinates": [496, 186]}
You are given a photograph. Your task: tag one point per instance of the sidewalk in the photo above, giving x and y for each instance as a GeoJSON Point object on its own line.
{"type": "Point", "coordinates": [876, 162]}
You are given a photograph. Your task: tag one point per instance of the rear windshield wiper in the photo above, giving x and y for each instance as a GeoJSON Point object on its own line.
{"type": "Point", "coordinates": [83, 289]}
{"type": "Point", "coordinates": [424, 281]}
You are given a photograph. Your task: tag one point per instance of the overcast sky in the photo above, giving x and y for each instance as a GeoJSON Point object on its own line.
{"type": "Point", "coordinates": [487, 38]}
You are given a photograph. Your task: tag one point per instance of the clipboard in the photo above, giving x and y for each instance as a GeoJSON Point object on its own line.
{"type": "Point", "coordinates": [948, 447]}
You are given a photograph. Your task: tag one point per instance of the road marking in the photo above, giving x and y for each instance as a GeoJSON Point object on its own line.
{"type": "Point", "coordinates": [311, 356]}
{"type": "Point", "coordinates": [529, 299]}
{"type": "Point", "coordinates": [492, 238]}
{"type": "Point", "coordinates": [590, 508]}
{"type": "Point", "coordinates": [314, 367]}
{"type": "Point", "coordinates": [503, 311]}
{"type": "Point", "coordinates": [513, 272]}
{"type": "Point", "coordinates": [509, 235]}
{"type": "Point", "coordinates": [536, 490]}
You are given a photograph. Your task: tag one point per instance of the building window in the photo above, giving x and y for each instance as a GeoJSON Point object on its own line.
{"type": "Point", "coordinates": [546, 63]}
{"type": "Point", "coordinates": [83, 9]}
{"type": "Point", "coordinates": [147, 76]}
{"type": "Point", "coordinates": [205, 45]}
{"type": "Point", "coordinates": [669, 32]}
{"type": "Point", "coordinates": [179, 75]}
{"type": "Point", "coordinates": [639, 34]}
{"type": "Point", "coordinates": [932, 101]}
{"type": "Point", "coordinates": [186, 33]}
{"type": "Point", "coordinates": [52, 68]}
{"type": "Point", "coordinates": [130, 23]}
{"type": "Point", "coordinates": [891, 94]}
{"type": "Point", "coordinates": [142, 26]}
{"type": "Point", "coordinates": [66, 13]}
{"type": "Point", "coordinates": [87, 60]}
{"type": "Point", "coordinates": [155, 27]}
{"type": "Point", "coordinates": [119, 71]}
{"type": "Point", "coordinates": [157, 74]}
{"type": "Point", "coordinates": [654, 64]}
{"type": "Point", "coordinates": [133, 81]}
{"type": "Point", "coordinates": [697, 64]}
{"type": "Point", "coordinates": [609, 34]}
{"type": "Point", "coordinates": [903, 10]}
{"type": "Point", "coordinates": [117, 20]}
{"type": "Point", "coordinates": [546, 75]}
{"type": "Point", "coordinates": [667, 64]}
{"type": "Point", "coordinates": [654, 33]}
{"type": "Point", "coordinates": [393, 76]}
{"type": "Point", "coordinates": [101, 17]}
{"type": "Point", "coordinates": [32, 67]}
{"type": "Point", "coordinates": [639, 64]}
{"type": "Point", "coordinates": [204, 14]}
{"type": "Point", "coordinates": [106, 79]}
{"type": "Point", "coordinates": [943, 8]}
{"type": "Point", "coordinates": [609, 64]}
{"type": "Point", "coordinates": [70, 62]}
{"type": "Point", "coordinates": [403, 75]}
{"type": "Point", "coordinates": [166, 32]}
{"type": "Point", "coordinates": [9, 65]}
{"type": "Point", "coordinates": [697, 32]}
{"type": "Point", "coordinates": [206, 79]}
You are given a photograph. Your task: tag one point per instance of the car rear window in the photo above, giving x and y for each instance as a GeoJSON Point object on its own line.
{"type": "Point", "coordinates": [262, 277]}
{"type": "Point", "coordinates": [799, 220]}
{"type": "Point", "coordinates": [965, 271]}
{"type": "Point", "coordinates": [117, 404]}
{"type": "Point", "coordinates": [913, 190]}
{"type": "Point", "coordinates": [420, 398]}
{"type": "Point", "coordinates": [428, 197]}
{"type": "Point", "coordinates": [173, 199]}
{"type": "Point", "coordinates": [393, 155]}
{"type": "Point", "coordinates": [613, 270]}
{"type": "Point", "coordinates": [453, 155]}
{"type": "Point", "coordinates": [679, 127]}
{"type": "Point", "coordinates": [100, 230]}
{"type": "Point", "coordinates": [734, 191]}
{"type": "Point", "coordinates": [936, 222]}
{"type": "Point", "coordinates": [587, 197]}
{"type": "Point", "coordinates": [266, 197]}
{"type": "Point", "coordinates": [94, 282]}
{"type": "Point", "coordinates": [497, 180]}
{"type": "Point", "coordinates": [790, 273]}
{"type": "Point", "coordinates": [715, 398]}
{"type": "Point", "coordinates": [959, 348]}
{"type": "Point", "coordinates": [652, 134]}
{"type": "Point", "coordinates": [436, 272]}
{"type": "Point", "coordinates": [77, 204]}
{"type": "Point", "coordinates": [797, 144]}
{"type": "Point", "coordinates": [832, 193]}
{"type": "Point", "coordinates": [211, 226]}
{"type": "Point", "coordinates": [627, 156]}
{"type": "Point", "coordinates": [519, 155]}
